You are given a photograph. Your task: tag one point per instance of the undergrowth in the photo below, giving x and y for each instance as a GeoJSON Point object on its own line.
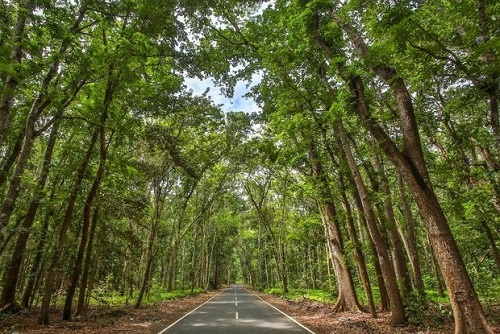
{"type": "Point", "coordinates": [302, 294]}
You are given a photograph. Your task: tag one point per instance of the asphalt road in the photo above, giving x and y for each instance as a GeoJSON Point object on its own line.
{"type": "Point", "coordinates": [235, 310]}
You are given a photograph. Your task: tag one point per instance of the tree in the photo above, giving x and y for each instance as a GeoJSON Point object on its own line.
{"type": "Point", "coordinates": [116, 178]}
{"type": "Point", "coordinates": [347, 299]}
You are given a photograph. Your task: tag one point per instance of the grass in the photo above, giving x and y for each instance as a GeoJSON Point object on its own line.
{"type": "Point", "coordinates": [155, 296]}
{"type": "Point", "coordinates": [300, 294]}
{"type": "Point", "coordinates": [105, 298]}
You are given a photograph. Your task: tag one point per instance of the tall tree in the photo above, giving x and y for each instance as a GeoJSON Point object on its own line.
{"type": "Point", "coordinates": [11, 275]}
{"type": "Point", "coordinates": [347, 299]}
{"type": "Point", "coordinates": [469, 316]}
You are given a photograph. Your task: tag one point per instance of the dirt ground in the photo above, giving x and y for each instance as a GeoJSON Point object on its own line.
{"type": "Point", "coordinates": [153, 318]}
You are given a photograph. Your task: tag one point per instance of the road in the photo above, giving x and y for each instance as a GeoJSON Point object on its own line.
{"type": "Point", "coordinates": [235, 310]}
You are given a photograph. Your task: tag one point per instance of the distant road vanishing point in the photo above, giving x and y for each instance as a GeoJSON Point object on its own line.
{"type": "Point", "coordinates": [235, 310]}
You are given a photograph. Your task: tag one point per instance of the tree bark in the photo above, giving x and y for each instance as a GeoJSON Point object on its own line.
{"type": "Point", "coordinates": [39, 250]}
{"type": "Point", "coordinates": [396, 242]}
{"type": "Point", "coordinates": [411, 238]}
{"type": "Point", "coordinates": [435, 269]}
{"type": "Point", "coordinates": [327, 49]}
{"type": "Point", "coordinates": [469, 315]}
{"type": "Point", "coordinates": [56, 257]}
{"type": "Point", "coordinates": [10, 199]}
{"type": "Point", "coordinates": [347, 299]}
{"type": "Point", "coordinates": [358, 253]}
{"type": "Point", "coordinates": [85, 228]}
{"type": "Point", "coordinates": [397, 309]}
{"type": "Point", "coordinates": [103, 151]}
{"type": "Point", "coordinates": [158, 197]}
{"type": "Point", "coordinates": [493, 246]}
{"type": "Point", "coordinates": [81, 305]}
{"type": "Point", "coordinates": [9, 162]}
{"type": "Point", "coordinates": [384, 298]}
{"type": "Point", "coordinates": [12, 270]}
{"type": "Point", "coordinates": [94, 264]}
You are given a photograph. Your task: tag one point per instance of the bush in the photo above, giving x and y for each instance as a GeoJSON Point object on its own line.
{"type": "Point", "coordinates": [416, 309]}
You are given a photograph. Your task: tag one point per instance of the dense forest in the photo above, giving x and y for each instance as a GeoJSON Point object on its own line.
{"type": "Point", "coordinates": [370, 171]}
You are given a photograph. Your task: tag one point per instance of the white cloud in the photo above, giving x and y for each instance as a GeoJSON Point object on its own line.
{"type": "Point", "coordinates": [237, 103]}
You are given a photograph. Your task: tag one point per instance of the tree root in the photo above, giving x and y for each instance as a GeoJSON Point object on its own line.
{"type": "Point", "coordinates": [341, 306]}
{"type": "Point", "coordinates": [12, 308]}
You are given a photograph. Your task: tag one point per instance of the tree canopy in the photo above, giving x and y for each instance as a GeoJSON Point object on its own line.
{"type": "Point", "coordinates": [370, 171]}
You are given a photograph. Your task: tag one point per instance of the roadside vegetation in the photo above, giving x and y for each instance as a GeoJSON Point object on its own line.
{"type": "Point", "coordinates": [366, 177]}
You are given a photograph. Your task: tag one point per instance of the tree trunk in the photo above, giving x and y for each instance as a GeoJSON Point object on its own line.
{"type": "Point", "coordinates": [94, 264]}
{"type": "Point", "coordinates": [40, 103]}
{"type": "Point", "coordinates": [491, 86]}
{"type": "Point", "coordinates": [284, 278]}
{"type": "Point", "coordinates": [411, 239]}
{"type": "Point", "coordinates": [85, 230]}
{"type": "Point", "coordinates": [469, 315]}
{"type": "Point", "coordinates": [56, 257]}
{"type": "Point", "coordinates": [384, 297]}
{"type": "Point", "coordinates": [11, 276]}
{"type": "Point", "coordinates": [493, 246]}
{"type": "Point", "coordinates": [9, 162]}
{"type": "Point", "coordinates": [81, 309]}
{"type": "Point", "coordinates": [192, 269]}
{"type": "Point", "coordinates": [358, 253]}
{"type": "Point", "coordinates": [152, 238]}
{"type": "Point", "coordinates": [33, 276]}
{"type": "Point", "coordinates": [103, 151]}
{"type": "Point", "coordinates": [10, 199]}
{"type": "Point", "coordinates": [347, 299]}
{"type": "Point", "coordinates": [327, 49]}
{"type": "Point", "coordinates": [397, 308]}
{"type": "Point", "coordinates": [12, 270]}
{"type": "Point", "coordinates": [172, 267]}
{"type": "Point", "coordinates": [396, 242]}
{"type": "Point", "coordinates": [435, 268]}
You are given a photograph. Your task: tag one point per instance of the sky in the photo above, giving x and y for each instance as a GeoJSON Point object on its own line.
{"type": "Point", "coordinates": [236, 103]}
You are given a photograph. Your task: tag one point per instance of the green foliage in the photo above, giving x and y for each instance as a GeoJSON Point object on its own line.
{"type": "Point", "coordinates": [103, 296]}
{"type": "Point", "coordinates": [211, 198]}
{"type": "Point", "coordinates": [302, 294]}
{"type": "Point", "coordinates": [415, 309]}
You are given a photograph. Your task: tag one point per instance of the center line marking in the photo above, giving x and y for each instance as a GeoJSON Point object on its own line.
{"type": "Point", "coordinates": [236, 315]}
{"type": "Point", "coordinates": [235, 303]}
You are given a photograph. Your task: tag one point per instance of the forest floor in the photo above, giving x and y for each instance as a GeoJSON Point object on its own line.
{"type": "Point", "coordinates": [153, 318]}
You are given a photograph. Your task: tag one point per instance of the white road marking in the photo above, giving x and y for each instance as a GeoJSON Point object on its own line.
{"type": "Point", "coordinates": [286, 315]}
{"type": "Point", "coordinates": [236, 315]}
{"type": "Point", "coordinates": [235, 303]}
{"type": "Point", "coordinates": [185, 315]}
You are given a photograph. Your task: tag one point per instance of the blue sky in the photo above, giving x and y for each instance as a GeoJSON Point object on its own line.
{"type": "Point", "coordinates": [236, 103]}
